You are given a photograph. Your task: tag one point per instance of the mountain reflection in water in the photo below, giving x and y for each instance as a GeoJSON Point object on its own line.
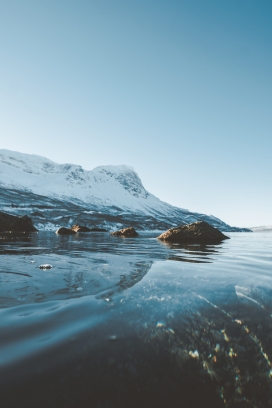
{"type": "Point", "coordinates": [117, 322]}
{"type": "Point", "coordinates": [194, 253]}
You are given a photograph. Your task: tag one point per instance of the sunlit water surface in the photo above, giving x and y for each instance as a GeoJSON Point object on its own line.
{"type": "Point", "coordinates": [135, 322]}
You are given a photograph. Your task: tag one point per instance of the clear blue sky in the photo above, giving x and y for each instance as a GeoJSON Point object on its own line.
{"type": "Point", "coordinates": [180, 90]}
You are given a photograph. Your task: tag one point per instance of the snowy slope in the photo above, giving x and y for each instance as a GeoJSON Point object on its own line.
{"type": "Point", "coordinates": [116, 186]}
{"type": "Point", "coordinates": [114, 190]}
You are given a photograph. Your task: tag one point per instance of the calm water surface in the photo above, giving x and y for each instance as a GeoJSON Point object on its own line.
{"type": "Point", "coordinates": [135, 322]}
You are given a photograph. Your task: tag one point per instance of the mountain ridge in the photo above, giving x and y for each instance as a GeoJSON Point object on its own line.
{"type": "Point", "coordinates": [28, 181]}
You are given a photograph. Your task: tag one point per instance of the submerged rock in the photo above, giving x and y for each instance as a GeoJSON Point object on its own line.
{"type": "Point", "coordinates": [12, 223]}
{"type": "Point", "coordinates": [198, 232]}
{"type": "Point", "coordinates": [65, 231]}
{"type": "Point", "coordinates": [126, 232]}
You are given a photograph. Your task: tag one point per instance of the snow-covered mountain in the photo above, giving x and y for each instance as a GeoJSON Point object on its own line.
{"type": "Point", "coordinates": [61, 194]}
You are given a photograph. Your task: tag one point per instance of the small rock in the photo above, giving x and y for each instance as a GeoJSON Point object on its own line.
{"type": "Point", "coordinates": [65, 231]}
{"type": "Point", "coordinates": [126, 232]}
{"type": "Point", "coordinates": [46, 266]}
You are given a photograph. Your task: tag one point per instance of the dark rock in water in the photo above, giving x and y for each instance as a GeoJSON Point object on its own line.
{"type": "Point", "coordinates": [198, 232]}
{"type": "Point", "coordinates": [80, 228]}
{"type": "Point", "coordinates": [65, 231]}
{"type": "Point", "coordinates": [16, 224]}
{"type": "Point", "coordinates": [126, 232]}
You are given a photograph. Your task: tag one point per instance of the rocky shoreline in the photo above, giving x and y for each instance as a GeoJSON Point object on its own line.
{"type": "Point", "coordinates": [197, 232]}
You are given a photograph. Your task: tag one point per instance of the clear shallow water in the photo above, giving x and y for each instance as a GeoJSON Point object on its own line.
{"type": "Point", "coordinates": [129, 322]}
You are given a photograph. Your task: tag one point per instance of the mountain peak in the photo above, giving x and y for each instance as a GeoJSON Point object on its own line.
{"type": "Point", "coordinates": [119, 168]}
{"type": "Point", "coordinates": [126, 176]}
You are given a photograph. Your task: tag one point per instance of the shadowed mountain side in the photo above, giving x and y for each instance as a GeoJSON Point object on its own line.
{"type": "Point", "coordinates": [51, 213]}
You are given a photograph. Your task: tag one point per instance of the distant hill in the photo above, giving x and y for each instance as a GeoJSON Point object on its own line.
{"type": "Point", "coordinates": [262, 228]}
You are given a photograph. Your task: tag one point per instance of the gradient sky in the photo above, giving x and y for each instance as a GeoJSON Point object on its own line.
{"type": "Point", "coordinates": [180, 90]}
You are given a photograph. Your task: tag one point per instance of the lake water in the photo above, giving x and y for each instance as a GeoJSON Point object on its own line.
{"type": "Point", "coordinates": [135, 322]}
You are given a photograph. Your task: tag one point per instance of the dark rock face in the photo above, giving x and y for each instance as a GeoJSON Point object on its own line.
{"type": "Point", "coordinates": [198, 232]}
{"type": "Point", "coordinates": [65, 231]}
{"type": "Point", "coordinates": [126, 232]}
{"type": "Point", "coordinates": [16, 224]}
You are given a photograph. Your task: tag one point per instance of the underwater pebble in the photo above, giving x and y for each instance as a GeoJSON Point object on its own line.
{"type": "Point", "coordinates": [169, 330]}
{"type": "Point", "coordinates": [32, 261]}
{"type": "Point", "coordinates": [79, 288]}
{"type": "Point", "coordinates": [194, 354]}
{"type": "Point", "coordinates": [113, 337]}
{"type": "Point", "coordinates": [45, 266]}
